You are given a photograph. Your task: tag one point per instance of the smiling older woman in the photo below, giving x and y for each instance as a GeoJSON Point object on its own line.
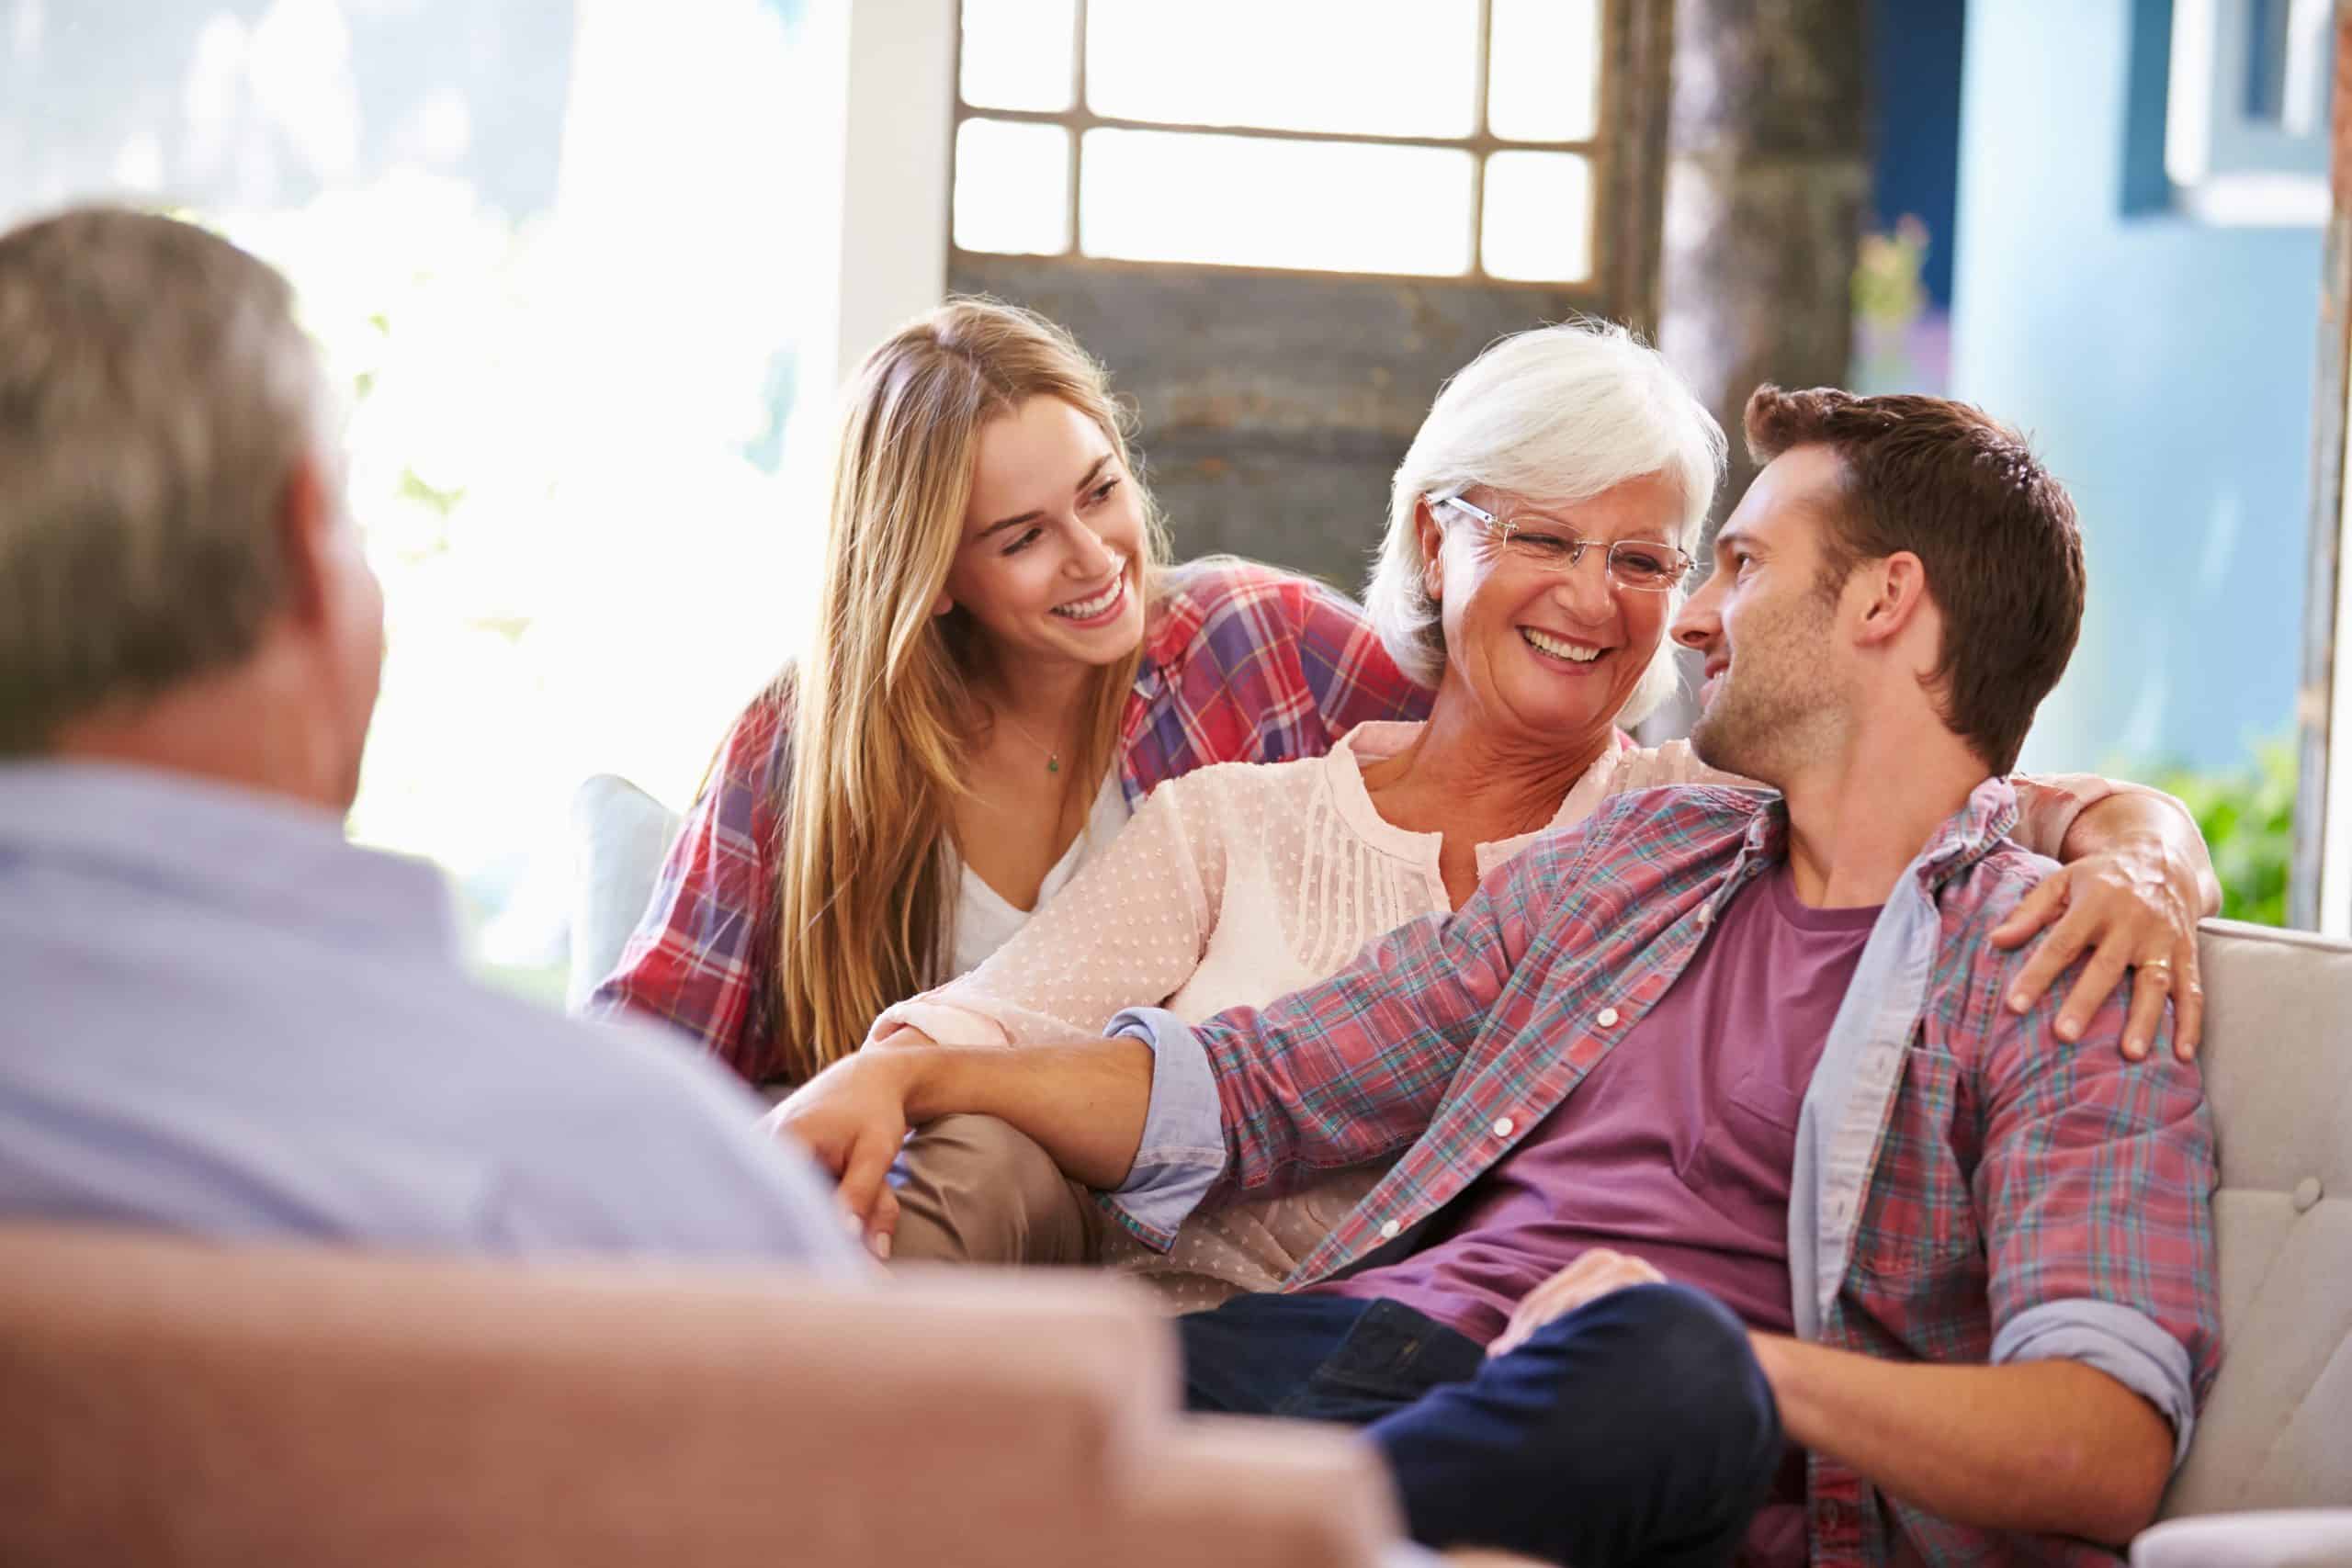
{"type": "Point", "coordinates": [1541, 534]}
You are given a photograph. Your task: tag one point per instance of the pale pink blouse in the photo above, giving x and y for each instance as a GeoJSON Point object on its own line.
{"type": "Point", "coordinates": [1237, 884]}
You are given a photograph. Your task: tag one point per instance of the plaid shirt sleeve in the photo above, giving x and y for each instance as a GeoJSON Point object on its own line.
{"type": "Point", "coordinates": [1355, 1068]}
{"type": "Point", "coordinates": [1345, 664]}
{"type": "Point", "coordinates": [2095, 1188]}
{"type": "Point", "coordinates": [699, 960]}
{"type": "Point", "coordinates": [1260, 666]}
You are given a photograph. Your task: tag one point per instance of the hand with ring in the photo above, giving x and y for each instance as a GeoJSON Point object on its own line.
{"type": "Point", "coordinates": [2130, 910]}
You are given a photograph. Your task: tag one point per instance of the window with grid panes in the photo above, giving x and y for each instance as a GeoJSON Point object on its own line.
{"type": "Point", "coordinates": [1417, 137]}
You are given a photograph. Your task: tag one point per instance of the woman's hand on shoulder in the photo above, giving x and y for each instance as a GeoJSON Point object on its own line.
{"type": "Point", "coordinates": [2132, 908]}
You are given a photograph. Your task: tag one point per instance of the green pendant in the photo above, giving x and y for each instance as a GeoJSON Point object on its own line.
{"type": "Point", "coordinates": [1053, 764]}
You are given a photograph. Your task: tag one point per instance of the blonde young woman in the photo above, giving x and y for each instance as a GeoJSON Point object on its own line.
{"type": "Point", "coordinates": [1235, 885]}
{"type": "Point", "coordinates": [1003, 668]}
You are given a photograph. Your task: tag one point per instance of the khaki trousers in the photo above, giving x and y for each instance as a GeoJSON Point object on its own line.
{"type": "Point", "coordinates": [974, 1190]}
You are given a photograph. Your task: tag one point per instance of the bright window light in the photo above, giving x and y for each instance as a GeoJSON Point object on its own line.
{"type": "Point", "coordinates": [1012, 187]}
{"type": "Point", "coordinates": [1365, 67]}
{"type": "Point", "coordinates": [1323, 135]}
{"type": "Point", "coordinates": [1017, 54]}
{"type": "Point", "coordinates": [573, 451]}
{"type": "Point", "coordinates": [1246, 201]}
{"type": "Point", "coordinates": [1543, 83]}
{"type": "Point", "coordinates": [1539, 217]}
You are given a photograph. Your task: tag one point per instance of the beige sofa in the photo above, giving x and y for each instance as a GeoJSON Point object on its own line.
{"type": "Point", "coordinates": [164, 1403]}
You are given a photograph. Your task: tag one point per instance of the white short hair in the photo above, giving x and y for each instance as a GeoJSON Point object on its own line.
{"type": "Point", "coordinates": [155, 395]}
{"type": "Point", "coordinates": [1561, 413]}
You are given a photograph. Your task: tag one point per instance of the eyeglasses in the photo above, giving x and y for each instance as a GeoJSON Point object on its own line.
{"type": "Point", "coordinates": [1537, 542]}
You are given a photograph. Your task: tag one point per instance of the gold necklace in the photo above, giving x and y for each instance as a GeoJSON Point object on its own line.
{"type": "Point", "coordinates": [1053, 758]}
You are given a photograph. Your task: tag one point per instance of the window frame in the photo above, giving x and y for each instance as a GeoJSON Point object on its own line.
{"type": "Point", "coordinates": [2190, 149]}
{"type": "Point", "coordinates": [1612, 152]}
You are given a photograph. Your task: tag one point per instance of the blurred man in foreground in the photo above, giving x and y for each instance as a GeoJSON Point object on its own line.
{"type": "Point", "coordinates": [221, 1017]}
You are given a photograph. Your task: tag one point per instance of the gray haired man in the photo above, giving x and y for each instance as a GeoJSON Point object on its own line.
{"type": "Point", "coordinates": [222, 1017]}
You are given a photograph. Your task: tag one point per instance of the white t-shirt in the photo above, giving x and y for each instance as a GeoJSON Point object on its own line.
{"type": "Point", "coordinates": [986, 920]}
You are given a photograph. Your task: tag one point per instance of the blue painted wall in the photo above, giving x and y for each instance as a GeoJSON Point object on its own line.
{"type": "Point", "coordinates": [1916, 52]}
{"type": "Point", "coordinates": [2164, 369]}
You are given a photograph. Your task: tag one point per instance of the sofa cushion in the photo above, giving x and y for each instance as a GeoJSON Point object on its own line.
{"type": "Point", "coordinates": [620, 835]}
{"type": "Point", "coordinates": [2278, 1060]}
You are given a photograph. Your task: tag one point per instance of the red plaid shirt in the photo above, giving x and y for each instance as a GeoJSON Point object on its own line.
{"type": "Point", "coordinates": [1969, 1188]}
{"type": "Point", "coordinates": [1243, 663]}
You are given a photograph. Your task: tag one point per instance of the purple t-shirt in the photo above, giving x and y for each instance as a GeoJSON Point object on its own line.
{"type": "Point", "coordinates": [1677, 1148]}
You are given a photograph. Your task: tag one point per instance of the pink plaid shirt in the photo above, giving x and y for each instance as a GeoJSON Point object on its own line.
{"type": "Point", "coordinates": [1968, 1189]}
{"type": "Point", "coordinates": [1243, 663]}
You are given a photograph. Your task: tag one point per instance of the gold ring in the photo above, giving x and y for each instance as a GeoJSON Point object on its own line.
{"type": "Point", "coordinates": [2165, 964]}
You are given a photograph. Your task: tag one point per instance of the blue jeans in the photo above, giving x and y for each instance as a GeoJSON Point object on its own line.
{"type": "Point", "coordinates": [1636, 1429]}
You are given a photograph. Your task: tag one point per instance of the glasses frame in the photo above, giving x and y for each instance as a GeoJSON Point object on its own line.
{"type": "Point", "coordinates": [1501, 530]}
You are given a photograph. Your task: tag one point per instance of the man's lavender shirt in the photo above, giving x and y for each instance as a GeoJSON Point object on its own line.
{"type": "Point", "coordinates": [219, 1018]}
{"type": "Point", "coordinates": [1678, 1148]}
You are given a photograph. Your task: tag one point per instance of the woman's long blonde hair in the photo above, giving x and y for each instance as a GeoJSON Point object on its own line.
{"type": "Point", "coordinates": [881, 706]}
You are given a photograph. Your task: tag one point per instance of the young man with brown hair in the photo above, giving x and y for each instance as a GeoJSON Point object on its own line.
{"type": "Point", "coordinates": [1717, 1117]}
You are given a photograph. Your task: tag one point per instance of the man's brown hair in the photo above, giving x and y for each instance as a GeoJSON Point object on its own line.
{"type": "Point", "coordinates": [1996, 534]}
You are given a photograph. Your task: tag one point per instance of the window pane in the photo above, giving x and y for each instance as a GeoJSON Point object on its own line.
{"type": "Point", "coordinates": [1539, 217]}
{"type": "Point", "coordinates": [1372, 67]}
{"type": "Point", "coordinates": [1012, 187]}
{"type": "Point", "coordinates": [1544, 82]}
{"type": "Point", "coordinates": [1247, 201]}
{"type": "Point", "coordinates": [1017, 54]}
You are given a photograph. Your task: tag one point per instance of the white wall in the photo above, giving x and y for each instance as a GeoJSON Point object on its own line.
{"type": "Point", "coordinates": [899, 123]}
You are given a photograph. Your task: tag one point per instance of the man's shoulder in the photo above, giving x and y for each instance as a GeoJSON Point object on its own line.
{"type": "Point", "coordinates": [1705, 817]}
{"type": "Point", "coordinates": [643, 1139]}
{"type": "Point", "coordinates": [605, 1133]}
{"type": "Point", "coordinates": [401, 1101]}
{"type": "Point", "coordinates": [1986, 892]}
{"type": "Point", "coordinates": [1972, 977]}
{"type": "Point", "coordinates": [619, 1062]}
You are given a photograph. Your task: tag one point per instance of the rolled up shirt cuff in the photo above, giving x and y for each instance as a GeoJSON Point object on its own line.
{"type": "Point", "coordinates": [1182, 1154]}
{"type": "Point", "coordinates": [2123, 1342]}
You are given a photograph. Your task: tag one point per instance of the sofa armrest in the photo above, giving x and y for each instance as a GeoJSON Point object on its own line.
{"type": "Point", "coordinates": [178, 1403]}
{"type": "Point", "coordinates": [2289, 1538]}
{"type": "Point", "coordinates": [1242, 1493]}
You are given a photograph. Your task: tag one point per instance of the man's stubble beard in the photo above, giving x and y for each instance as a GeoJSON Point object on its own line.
{"type": "Point", "coordinates": [1764, 721]}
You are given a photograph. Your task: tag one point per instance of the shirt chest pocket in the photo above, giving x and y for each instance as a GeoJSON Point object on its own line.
{"type": "Point", "coordinates": [1740, 1167]}
{"type": "Point", "coordinates": [1919, 1225]}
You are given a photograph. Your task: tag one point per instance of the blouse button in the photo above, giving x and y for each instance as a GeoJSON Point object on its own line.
{"type": "Point", "coordinates": [1502, 1127]}
{"type": "Point", "coordinates": [1706, 914]}
{"type": "Point", "coordinates": [1607, 1019]}
{"type": "Point", "coordinates": [1391, 1231]}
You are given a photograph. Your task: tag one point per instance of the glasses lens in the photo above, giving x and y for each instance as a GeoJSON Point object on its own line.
{"type": "Point", "coordinates": [1541, 547]}
{"type": "Point", "coordinates": [1651, 568]}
